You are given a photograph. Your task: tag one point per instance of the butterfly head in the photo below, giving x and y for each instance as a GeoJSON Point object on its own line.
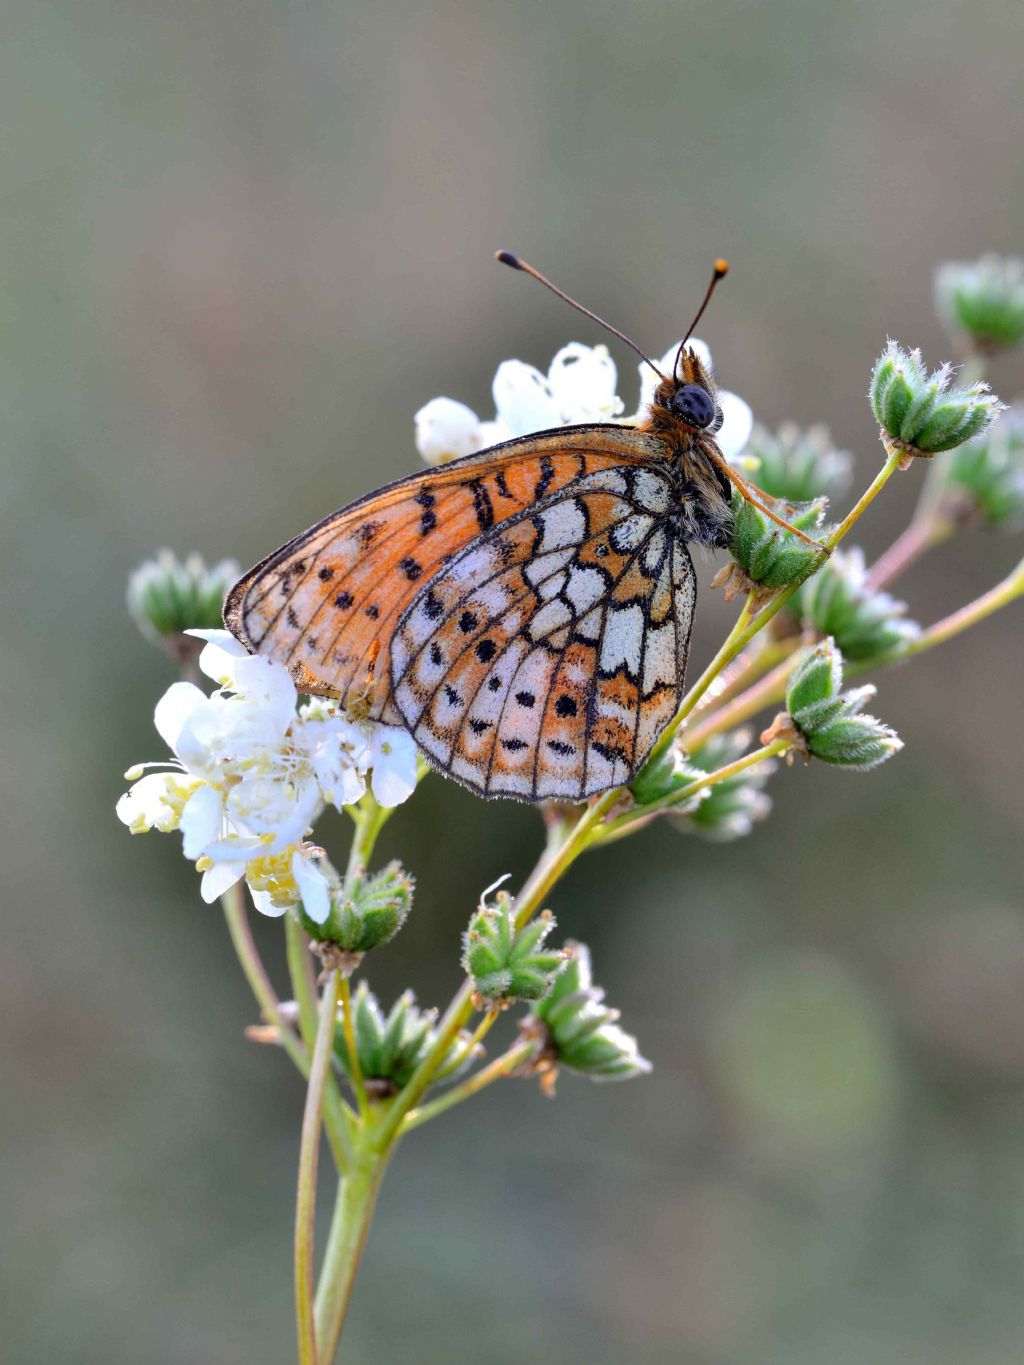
{"type": "Point", "coordinates": [690, 395]}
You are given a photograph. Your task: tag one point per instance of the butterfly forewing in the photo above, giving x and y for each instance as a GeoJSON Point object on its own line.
{"type": "Point", "coordinates": [543, 661]}
{"type": "Point", "coordinates": [328, 603]}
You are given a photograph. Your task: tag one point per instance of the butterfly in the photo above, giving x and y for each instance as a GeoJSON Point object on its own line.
{"type": "Point", "coordinates": [524, 612]}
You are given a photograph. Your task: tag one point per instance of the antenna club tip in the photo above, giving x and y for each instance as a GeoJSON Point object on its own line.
{"type": "Point", "coordinates": [721, 268]}
{"type": "Point", "coordinates": [507, 258]}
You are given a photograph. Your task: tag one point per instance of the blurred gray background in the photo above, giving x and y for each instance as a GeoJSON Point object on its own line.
{"type": "Point", "coordinates": [244, 242]}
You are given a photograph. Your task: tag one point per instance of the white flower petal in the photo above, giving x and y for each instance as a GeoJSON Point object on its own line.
{"type": "Point", "coordinates": [737, 424]}
{"type": "Point", "coordinates": [145, 804]}
{"type": "Point", "coordinates": [446, 430]}
{"type": "Point", "coordinates": [277, 804]}
{"type": "Point", "coordinates": [201, 820]}
{"type": "Point", "coordinates": [493, 433]}
{"type": "Point", "coordinates": [394, 765]}
{"type": "Point", "coordinates": [523, 399]}
{"type": "Point", "coordinates": [582, 381]}
{"type": "Point", "coordinates": [218, 879]}
{"type": "Point", "coordinates": [313, 887]}
{"type": "Point", "coordinates": [175, 711]}
{"type": "Point", "coordinates": [266, 906]}
{"type": "Point", "coordinates": [223, 639]}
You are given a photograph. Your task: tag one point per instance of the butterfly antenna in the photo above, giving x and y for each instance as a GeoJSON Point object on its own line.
{"type": "Point", "coordinates": [749, 492]}
{"type": "Point", "coordinates": [507, 258]}
{"type": "Point", "coordinates": [720, 271]}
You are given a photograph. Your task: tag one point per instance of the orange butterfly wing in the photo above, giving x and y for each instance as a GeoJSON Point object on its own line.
{"type": "Point", "coordinates": [328, 603]}
{"type": "Point", "coordinates": [543, 661]}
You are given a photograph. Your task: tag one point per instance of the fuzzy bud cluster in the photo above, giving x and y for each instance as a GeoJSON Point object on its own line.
{"type": "Point", "coordinates": [507, 964]}
{"type": "Point", "coordinates": [829, 723]}
{"type": "Point", "coordinates": [839, 601]}
{"type": "Point", "coordinates": [983, 301]}
{"type": "Point", "coordinates": [365, 913]}
{"type": "Point", "coordinates": [985, 478]}
{"type": "Point", "coordinates": [766, 555]}
{"type": "Point", "coordinates": [729, 809]}
{"type": "Point", "coordinates": [921, 413]}
{"type": "Point", "coordinates": [575, 1029]}
{"type": "Point", "coordinates": [391, 1046]}
{"type": "Point", "coordinates": [167, 596]}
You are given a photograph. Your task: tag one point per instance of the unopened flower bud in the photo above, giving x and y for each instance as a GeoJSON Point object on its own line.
{"type": "Point", "coordinates": [765, 554]}
{"type": "Point", "coordinates": [838, 601]}
{"type": "Point", "coordinates": [798, 464]}
{"type": "Point", "coordinates": [983, 301]}
{"type": "Point", "coordinates": [167, 596]}
{"type": "Point", "coordinates": [508, 965]}
{"type": "Point", "coordinates": [985, 482]}
{"type": "Point", "coordinates": [367, 912]}
{"type": "Point", "coordinates": [669, 772]}
{"type": "Point", "coordinates": [829, 720]}
{"type": "Point", "coordinates": [391, 1046]}
{"type": "Point", "coordinates": [577, 1030]}
{"type": "Point", "coordinates": [921, 413]}
{"type": "Point", "coordinates": [730, 808]}
{"type": "Point", "coordinates": [446, 430]}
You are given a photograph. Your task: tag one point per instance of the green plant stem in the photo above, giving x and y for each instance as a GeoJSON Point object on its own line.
{"type": "Point", "coordinates": [309, 1153]}
{"type": "Point", "coordinates": [494, 1071]}
{"type": "Point", "coordinates": [683, 794]}
{"type": "Point", "coordinates": [552, 865]}
{"type": "Point", "coordinates": [1011, 587]}
{"type": "Point", "coordinates": [748, 625]}
{"type": "Point", "coordinates": [337, 1115]}
{"type": "Point", "coordinates": [770, 688]}
{"type": "Point", "coordinates": [749, 667]}
{"type": "Point", "coordinates": [369, 819]}
{"type": "Point", "coordinates": [355, 1071]}
{"type": "Point", "coordinates": [908, 547]}
{"type": "Point", "coordinates": [350, 1225]}
{"type": "Point", "coordinates": [233, 901]}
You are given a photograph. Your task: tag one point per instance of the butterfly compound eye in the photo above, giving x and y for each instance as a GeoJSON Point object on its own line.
{"type": "Point", "coordinates": [694, 405]}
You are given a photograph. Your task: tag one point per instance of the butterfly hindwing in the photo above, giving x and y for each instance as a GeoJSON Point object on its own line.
{"type": "Point", "coordinates": [543, 661]}
{"type": "Point", "coordinates": [328, 603]}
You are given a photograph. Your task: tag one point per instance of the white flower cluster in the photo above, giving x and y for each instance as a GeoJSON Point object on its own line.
{"type": "Point", "coordinates": [251, 774]}
{"type": "Point", "coordinates": [579, 387]}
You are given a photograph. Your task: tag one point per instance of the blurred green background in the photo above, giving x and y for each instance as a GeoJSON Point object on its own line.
{"type": "Point", "coordinates": [244, 243]}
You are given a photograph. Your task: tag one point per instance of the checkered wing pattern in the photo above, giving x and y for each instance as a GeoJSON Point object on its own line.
{"type": "Point", "coordinates": [328, 603]}
{"type": "Point", "coordinates": [543, 661]}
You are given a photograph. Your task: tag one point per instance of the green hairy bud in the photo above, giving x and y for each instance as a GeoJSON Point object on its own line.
{"type": "Point", "coordinates": [167, 596]}
{"type": "Point", "coordinates": [575, 1029]}
{"type": "Point", "coordinates": [390, 1047]}
{"type": "Point", "coordinates": [838, 601]}
{"type": "Point", "coordinates": [798, 464]}
{"type": "Point", "coordinates": [367, 913]}
{"type": "Point", "coordinates": [983, 301]}
{"type": "Point", "coordinates": [985, 482]}
{"type": "Point", "coordinates": [669, 772]}
{"type": "Point", "coordinates": [730, 808]}
{"type": "Point", "coordinates": [508, 965]}
{"type": "Point", "coordinates": [766, 555]}
{"type": "Point", "coordinates": [922, 413]}
{"type": "Point", "coordinates": [829, 721]}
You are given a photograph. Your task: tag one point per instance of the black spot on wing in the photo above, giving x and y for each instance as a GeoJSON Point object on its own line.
{"type": "Point", "coordinates": [482, 505]}
{"type": "Point", "coordinates": [546, 477]}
